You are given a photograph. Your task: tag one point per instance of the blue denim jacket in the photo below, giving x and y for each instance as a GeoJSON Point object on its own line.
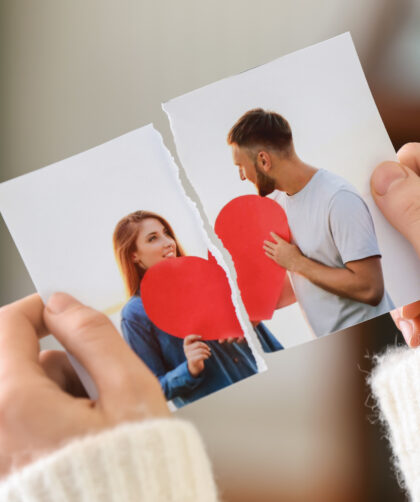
{"type": "Point", "coordinates": [164, 355]}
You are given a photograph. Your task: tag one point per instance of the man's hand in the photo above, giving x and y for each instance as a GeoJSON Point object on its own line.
{"type": "Point", "coordinates": [36, 415]}
{"type": "Point", "coordinates": [396, 190]}
{"type": "Point", "coordinates": [284, 254]}
{"type": "Point", "coordinates": [359, 280]}
{"type": "Point", "coordinates": [196, 353]}
{"type": "Point", "coordinates": [239, 339]}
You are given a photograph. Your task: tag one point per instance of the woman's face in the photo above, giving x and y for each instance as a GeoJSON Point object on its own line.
{"type": "Point", "coordinates": [153, 244]}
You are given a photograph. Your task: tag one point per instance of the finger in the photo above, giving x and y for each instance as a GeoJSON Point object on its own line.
{"type": "Point", "coordinates": [226, 340]}
{"type": "Point", "coordinates": [21, 326]}
{"type": "Point", "coordinates": [269, 245]}
{"type": "Point", "coordinates": [189, 339]}
{"type": "Point", "coordinates": [396, 191]}
{"type": "Point", "coordinates": [270, 255]}
{"type": "Point", "coordinates": [202, 345]}
{"type": "Point", "coordinates": [229, 339]}
{"type": "Point", "coordinates": [191, 353]}
{"type": "Point", "coordinates": [410, 311]}
{"type": "Point", "coordinates": [409, 155]}
{"type": "Point", "coordinates": [31, 307]}
{"type": "Point", "coordinates": [198, 355]}
{"type": "Point", "coordinates": [269, 251]}
{"type": "Point", "coordinates": [276, 237]}
{"type": "Point", "coordinates": [58, 368]}
{"type": "Point", "coordinates": [396, 316]}
{"type": "Point", "coordinates": [199, 349]}
{"type": "Point", "coordinates": [410, 328]}
{"type": "Point", "coordinates": [92, 339]}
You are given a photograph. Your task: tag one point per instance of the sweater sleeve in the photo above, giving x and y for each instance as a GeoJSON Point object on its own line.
{"type": "Point", "coordinates": [160, 460]}
{"type": "Point", "coordinates": [395, 385]}
{"type": "Point", "coordinates": [175, 382]}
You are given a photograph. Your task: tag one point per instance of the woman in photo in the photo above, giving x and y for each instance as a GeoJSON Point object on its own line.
{"type": "Point", "coordinates": [187, 369]}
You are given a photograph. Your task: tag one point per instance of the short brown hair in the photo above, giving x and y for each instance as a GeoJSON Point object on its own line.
{"type": "Point", "coordinates": [259, 127]}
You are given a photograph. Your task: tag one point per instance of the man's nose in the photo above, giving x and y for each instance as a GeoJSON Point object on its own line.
{"type": "Point", "coordinates": [242, 174]}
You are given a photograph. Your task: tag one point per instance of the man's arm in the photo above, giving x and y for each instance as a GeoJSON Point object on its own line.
{"type": "Point", "coordinates": [359, 280]}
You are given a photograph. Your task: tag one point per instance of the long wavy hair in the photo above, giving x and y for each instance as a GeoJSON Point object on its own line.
{"type": "Point", "coordinates": [124, 241]}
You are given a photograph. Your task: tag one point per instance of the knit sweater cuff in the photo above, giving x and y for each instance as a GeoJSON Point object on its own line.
{"type": "Point", "coordinates": [156, 460]}
{"type": "Point", "coordinates": [395, 384]}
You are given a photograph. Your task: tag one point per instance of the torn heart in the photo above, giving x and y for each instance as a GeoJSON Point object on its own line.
{"type": "Point", "coordinates": [242, 225]}
{"type": "Point", "coordinates": [190, 295]}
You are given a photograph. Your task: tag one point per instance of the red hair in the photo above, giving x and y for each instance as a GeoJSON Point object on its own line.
{"type": "Point", "coordinates": [124, 241]}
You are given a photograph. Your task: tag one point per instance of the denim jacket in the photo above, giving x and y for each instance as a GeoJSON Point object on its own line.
{"type": "Point", "coordinates": [164, 355]}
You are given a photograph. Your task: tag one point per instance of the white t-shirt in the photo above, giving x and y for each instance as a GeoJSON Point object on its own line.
{"type": "Point", "coordinates": [330, 223]}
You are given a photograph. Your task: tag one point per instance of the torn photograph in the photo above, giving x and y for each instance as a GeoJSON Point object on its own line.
{"type": "Point", "coordinates": [280, 157]}
{"type": "Point", "coordinates": [113, 227]}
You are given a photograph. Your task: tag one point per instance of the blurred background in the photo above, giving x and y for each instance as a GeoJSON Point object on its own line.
{"type": "Point", "coordinates": [76, 74]}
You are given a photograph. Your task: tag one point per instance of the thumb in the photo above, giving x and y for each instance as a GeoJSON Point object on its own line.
{"type": "Point", "coordinates": [189, 339]}
{"type": "Point", "coordinates": [396, 191]}
{"type": "Point", "coordinates": [92, 339]}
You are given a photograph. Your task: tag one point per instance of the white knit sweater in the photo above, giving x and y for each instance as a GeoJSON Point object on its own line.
{"type": "Point", "coordinates": [155, 461]}
{"type": "Point", "coordinates": [164, 460]}
{"type": "Point", "coordinates": [395, 383]}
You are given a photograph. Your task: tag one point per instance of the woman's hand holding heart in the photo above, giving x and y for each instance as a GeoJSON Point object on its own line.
{"type": "Point", "coordinates": [196, 353]}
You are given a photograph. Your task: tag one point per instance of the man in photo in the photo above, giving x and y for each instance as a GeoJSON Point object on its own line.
{"type": "Point", "coordinates": [334, 260]}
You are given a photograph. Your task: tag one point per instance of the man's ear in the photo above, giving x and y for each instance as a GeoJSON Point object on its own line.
{"type": "Point", "coordinates": [264, 161]}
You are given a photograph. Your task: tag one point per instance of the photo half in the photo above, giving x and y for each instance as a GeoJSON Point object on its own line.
{"type": "Point", "coordinates": [113, 227]}
{"type": "Point", "coordinates": [280, 157]}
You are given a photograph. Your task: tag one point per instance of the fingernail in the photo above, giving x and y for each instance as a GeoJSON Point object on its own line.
{"type": "Point", "coordinates": [406, 328]}
{"type": "Point", "coordinates": [385, 176]}
{"type": "Point", "coordinates": [59, 302]}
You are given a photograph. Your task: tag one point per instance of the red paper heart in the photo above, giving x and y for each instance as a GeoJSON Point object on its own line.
{"type": "Point", "coordinates": [243, 225]}
{"type": "Point", "coordinates": [190, 295]}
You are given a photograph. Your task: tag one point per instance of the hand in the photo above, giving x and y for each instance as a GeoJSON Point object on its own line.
{"type": "Point", "coordinates": [284, 254]}
{"type": "Point", "coordinates": [196, 353]}
{"type": "Point", "coordinates": [396, 190]}
{"type": "Point", "coordinates": [36, 415]}
{"type": "Point", "coordinates": [407, 319]}
{"type": "Point", "coordinates": [232, 339]}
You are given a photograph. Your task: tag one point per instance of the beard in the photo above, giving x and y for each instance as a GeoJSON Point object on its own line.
{"type": "Point", "coordinates": [264, 184]}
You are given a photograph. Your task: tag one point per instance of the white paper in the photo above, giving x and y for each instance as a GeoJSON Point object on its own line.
{"type": "Point", "coordinates": [62, 218]}
{"type": "Point", "coordinates": [323, 93]}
